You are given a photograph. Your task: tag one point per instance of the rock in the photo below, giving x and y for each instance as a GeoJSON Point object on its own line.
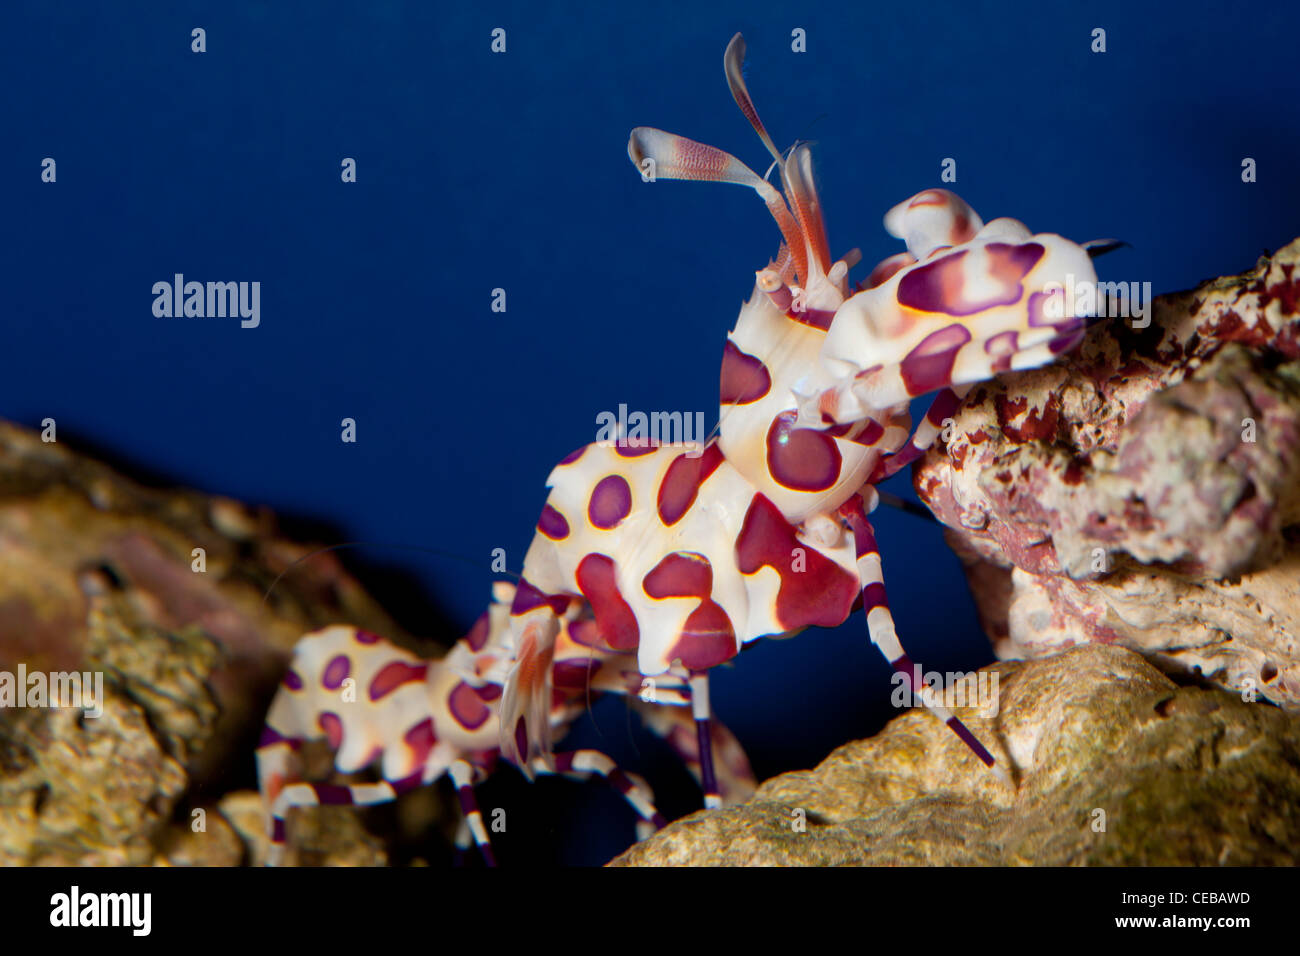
{"type": "Point", "coordinates": [321, 836]}
{"type": "Point", "coordinates": [1145, 489]}
{"type": "Point", "coordinates": [84, 790]}
{"type": "Point", "coordinates": [1114, 765]}
{"type": "Point", "coordinates": [97, 574]}
{"type": "Point", "coordinates": [207, 840]}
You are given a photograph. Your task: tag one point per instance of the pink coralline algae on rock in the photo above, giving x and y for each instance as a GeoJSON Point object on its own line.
{"type": "Point", "coordinates": [1144, 490]}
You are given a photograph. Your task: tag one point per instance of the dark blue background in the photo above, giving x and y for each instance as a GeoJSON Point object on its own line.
{"type": "Point", "coordinates": [479, 171]}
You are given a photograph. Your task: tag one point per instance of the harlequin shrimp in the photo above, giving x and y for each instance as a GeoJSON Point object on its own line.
{"type": "Point", "coordinates": [686, 557]}
{"type": "Point", "coordinates": [419, 719]}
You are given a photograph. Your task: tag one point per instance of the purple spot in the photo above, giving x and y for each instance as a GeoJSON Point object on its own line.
{"type": "Point", "coordinates": [943, 406]}
{"type": "Point", "coordinates": [887, 269]}
{"type": "Point", "coordinates": [272, 736]}
{"type": "Point", "coordinates": [336, 671]}
{"type": "Point", "coordinates": [291, 680]}
{"type": "Point", "coordinates": [528, 597]}
{"type": "Point", "coordinates": [365, 637]}
{"type": "Point", "coordinates": [610, 502]}
{"type": "Point", "coordinates": [745, 378]}
{"type": "Point", "coordinates": [681, 484]}
{"type": "Point", "coordinates": [635, 447]}
{"type": "Point", "coordinates": [1071, 335]}
{"type": "Point", "coordinates": [940, 286]}
{"type": "Point", "coordinates": [598, 584]}
{"type": "Point", "coordinates": [552, 524]}
{"type": "Point", "coordinates": [814, 318]}
{"type": "Point", "coordinates": [870, 435]}
{"type": "Point", "coordinates": [394, 675]}
{"type": "Point", "coordinates": [420, 739]}
{"type": "Point", "coordinates": [574, 674]}
{"type": "Point", "coordinates": [801, 458]}
{"type": "Point", "coordinates": [584, 631]}
{"type": "Point", "coordinates": [333, 728]}
{"type": "Point", "coordinates": [1038, 308]}
{"type": "Point", "coordinates": [1002, 347]}
{"type": "Point", "coordinates": [478, 635]}
{"type": "Point", "coordinates": [929, 366]}
{"type": "Point", "coordinates": [467, 707]}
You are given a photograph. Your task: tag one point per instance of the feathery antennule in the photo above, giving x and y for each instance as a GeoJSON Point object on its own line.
{"type": "Point", "coordinates": [676, 157]}
{"type": "Point", "coordinates": [783, 264]}
{"type": "Point", "coordinates": [803, 195]}
{"type": "Point", "coordinates": [795, 167]}
{"type": "Point", "coordinates": [732, 62]}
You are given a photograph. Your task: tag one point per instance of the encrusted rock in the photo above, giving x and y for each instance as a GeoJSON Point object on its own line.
{"type": "Point", "coordinates": [1113, 764]}
{"type": "Point", "coordinates": [99, 574]}
{"type": "Point", "coordinates": [1144, 490]}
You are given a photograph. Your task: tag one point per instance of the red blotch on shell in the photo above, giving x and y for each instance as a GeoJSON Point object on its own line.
{"type": "Point", "coordinates": [336, 672]}
{"type": "Point", "coordinates": [574, 675]}
{"type": "Point", "coordinates": [421, 739]}
{"type": "Point", "coordinates": [611, 501]}
{"type": "Point", "coordinates": [528, 597]}
{"type": "Point", "coordinates": [801, 458]}
{"type": "Point", "coordinates": [745, 378]}
{"type": "Point", "coordinates": [821, 595]}
{"type": "Point", "coordinates": [682, 481]}
{"type": "Point", "coordinates": [586, 632]}
{"type": "Point", "coordinates": [477, 637]}
{"type": "Point", "coordinates": [708, 637]}
{"type": "Point", "coordinates": [680, 574]}
{"type": "Point", "coordinates": [332, 725]}
{"type": "Point", "coordinates": [467, 707]}
{"type": "Point", "coordinates": [552, 524]}
{"type": "Point", "coordinates": [635, 447]}
{"type": "Point", "coordinates": [393, 675]}
{"type": "Point", "coordinates": [929, 366]}
{"type": "Point", "coordinates": [940, 285]}
{"type": "Point", "coordinates": [618, 625]}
